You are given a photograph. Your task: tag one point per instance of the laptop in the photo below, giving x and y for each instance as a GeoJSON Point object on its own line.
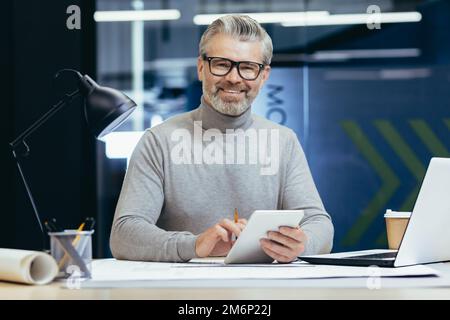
{"type": "Point", "coordinates": [427, 235]}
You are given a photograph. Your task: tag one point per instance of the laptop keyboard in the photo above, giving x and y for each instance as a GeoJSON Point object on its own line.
{"type": "Point", "coordinates": [385, 255]}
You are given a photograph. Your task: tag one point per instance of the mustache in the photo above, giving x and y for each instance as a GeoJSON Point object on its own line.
{"type": "Point", "coordinates": [231, 88]}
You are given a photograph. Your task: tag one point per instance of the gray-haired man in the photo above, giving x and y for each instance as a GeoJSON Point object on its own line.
{"type": "Point", "coordinates": [188, 174]}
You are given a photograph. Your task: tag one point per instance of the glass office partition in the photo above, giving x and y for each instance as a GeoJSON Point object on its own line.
{"type": "Point", "coordinates": [364, 84]}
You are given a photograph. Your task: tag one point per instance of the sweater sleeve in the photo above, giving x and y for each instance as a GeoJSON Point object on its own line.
{"type": "Point", "coordinates": [300, 193]}
{"type": "Point", "coordinates": [134, 234]}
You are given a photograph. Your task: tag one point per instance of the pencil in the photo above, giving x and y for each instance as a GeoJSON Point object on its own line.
{"type": "Point", "coordinates": [74, 243]}
{"type": "Point", "coordinates": [236, 219]}
{"type": "Point", "coordinates": [80, 228]}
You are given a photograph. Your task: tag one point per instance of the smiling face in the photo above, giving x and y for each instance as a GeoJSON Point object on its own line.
{"type": "Point", "coordinates": [230, 94]}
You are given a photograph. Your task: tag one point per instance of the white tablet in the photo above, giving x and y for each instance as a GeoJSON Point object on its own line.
{"type": "Point", "coordinates": [247, 248]}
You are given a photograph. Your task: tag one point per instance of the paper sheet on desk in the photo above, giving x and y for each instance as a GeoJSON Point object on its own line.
{"type": "Point", "coordinates": [115, 270]}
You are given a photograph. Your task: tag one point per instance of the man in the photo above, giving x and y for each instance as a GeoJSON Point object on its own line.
{"type": "Point", "coordinates": [179, 195]}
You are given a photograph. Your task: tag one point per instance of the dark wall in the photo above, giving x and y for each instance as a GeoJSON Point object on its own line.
{"type": "Point", "coordinates": [60, 168]}
{"type": "Point", "coordinates": [6, 195]}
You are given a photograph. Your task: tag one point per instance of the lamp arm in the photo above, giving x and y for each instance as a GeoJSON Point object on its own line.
{"type": "Point", "coordinates": [33, 204]}
{"type": "Point", "coordinates": [50, 113]}
{"type": "Point", "coordinates": [20, 140]}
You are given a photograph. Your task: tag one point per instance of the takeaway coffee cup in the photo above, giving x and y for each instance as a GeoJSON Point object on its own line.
{"type": "Point", "coordinates": [396, 223]}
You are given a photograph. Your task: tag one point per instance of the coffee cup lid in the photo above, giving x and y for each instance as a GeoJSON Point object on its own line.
{"type": "Point", "coordinates": [397, 214]}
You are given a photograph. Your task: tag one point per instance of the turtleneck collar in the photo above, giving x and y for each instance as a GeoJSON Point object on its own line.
{"type": "Point", "coordinates": [212, 119]}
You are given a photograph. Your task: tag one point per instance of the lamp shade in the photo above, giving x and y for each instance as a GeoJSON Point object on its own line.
{"type": "Point", "coordinates": [105, 108]}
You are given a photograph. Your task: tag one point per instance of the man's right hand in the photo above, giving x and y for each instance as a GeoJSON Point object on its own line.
{"type": "Point", "coordinates": [216, 240]}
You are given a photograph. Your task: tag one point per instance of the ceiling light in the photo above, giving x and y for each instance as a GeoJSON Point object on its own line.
{"type": "Point", "coordinates": [136, 15]}
{"type": "Point", "coordinates": [264, 17]}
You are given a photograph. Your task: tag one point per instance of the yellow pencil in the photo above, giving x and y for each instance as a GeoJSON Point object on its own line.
{"type": "Point", "coordinates": [74, 243]}
{"type": "Point", "coordinates": [236, 219]}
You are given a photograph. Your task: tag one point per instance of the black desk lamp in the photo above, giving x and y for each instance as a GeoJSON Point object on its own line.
{"type": "Point", "coordinates": [105, 109]}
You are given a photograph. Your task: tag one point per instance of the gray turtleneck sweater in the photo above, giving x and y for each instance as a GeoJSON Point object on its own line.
{"type": "Point", "coordinates": [165, 202]}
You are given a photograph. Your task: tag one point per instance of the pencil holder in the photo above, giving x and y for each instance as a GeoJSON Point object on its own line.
{"type": "Point", "coordinates": [72, 251]}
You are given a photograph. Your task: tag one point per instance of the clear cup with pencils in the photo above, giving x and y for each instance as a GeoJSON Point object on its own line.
{"type": "Point", "coordinates": [72, 250]}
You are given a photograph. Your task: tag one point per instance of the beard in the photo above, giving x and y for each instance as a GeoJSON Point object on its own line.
{"type": "Point", "coordinates": [230, 108]}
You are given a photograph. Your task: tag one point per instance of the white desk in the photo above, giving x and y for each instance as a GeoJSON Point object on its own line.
{"type": "Point", "coordinates": [349, 288]}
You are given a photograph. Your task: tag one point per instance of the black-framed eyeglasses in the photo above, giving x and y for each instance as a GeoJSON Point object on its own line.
{"type": "Point", "coordinates": [247, 70]}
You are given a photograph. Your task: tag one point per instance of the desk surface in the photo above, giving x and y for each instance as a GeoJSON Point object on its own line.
{"type": "Point", "coordinates": [349, 288]}
{"type": "Point", "coordinates": [54, 291]}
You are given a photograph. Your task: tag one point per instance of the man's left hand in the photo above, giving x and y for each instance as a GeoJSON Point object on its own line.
{"type": "Point", "coordinates": [284, 245]}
